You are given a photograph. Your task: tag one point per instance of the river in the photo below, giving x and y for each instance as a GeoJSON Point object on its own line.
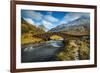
{"type": "Point", "coordinates": [41, 52]}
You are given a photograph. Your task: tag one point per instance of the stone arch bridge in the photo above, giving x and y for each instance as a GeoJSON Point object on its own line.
{"type": "Point", "coordinates": [65, 36]}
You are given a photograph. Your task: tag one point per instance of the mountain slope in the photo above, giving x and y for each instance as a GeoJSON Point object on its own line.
{"type": "Point", "coordinates": [43, 27]}
{"type": "Point", "coordinates": [78, 26]}
{"type": "Point", "coordinates": [26, 27]}
{"type": "Point", "coordinates": [27, 32]}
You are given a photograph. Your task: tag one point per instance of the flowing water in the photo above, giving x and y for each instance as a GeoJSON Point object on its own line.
{"type": "Point", "coordinates": [41, 52]}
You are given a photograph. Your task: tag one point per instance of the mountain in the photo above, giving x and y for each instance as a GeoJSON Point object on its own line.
{"type": "Point", "coordinates": [43, 27]}
{"type": "Point", "coordinates": [78, 26]}
{"type": "Point", "coordinates": [27, 27]}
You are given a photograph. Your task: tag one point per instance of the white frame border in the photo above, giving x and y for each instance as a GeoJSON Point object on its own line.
{"type": "Point", "coordinates": [20, 65]}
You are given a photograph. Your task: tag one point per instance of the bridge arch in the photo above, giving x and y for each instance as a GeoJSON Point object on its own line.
{"type": "Point", "coordinates": [47, 35]}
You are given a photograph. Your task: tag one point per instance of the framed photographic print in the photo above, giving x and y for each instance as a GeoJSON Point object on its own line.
{"type": "Point", "coordinates": [52, 36]}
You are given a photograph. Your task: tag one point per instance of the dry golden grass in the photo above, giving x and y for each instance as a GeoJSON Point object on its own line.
{"type": "Point", "coordinates": [55, 37]}
{"type": "Point", "coordinates": [28, 39]}
{"type": "Point", "coordinates": [73, 46]}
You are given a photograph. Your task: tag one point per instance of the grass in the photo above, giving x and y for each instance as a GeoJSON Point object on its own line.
{"type": "Point", "coordinates": [55, 37]}
{"type": "Point", "coordinates": [73, 46]}
{"type": "Point", "coordinates": [28, 39]}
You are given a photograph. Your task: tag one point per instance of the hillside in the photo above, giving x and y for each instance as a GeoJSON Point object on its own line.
{"type": "Point", "coordinates": [79, 26]}
{"type": "Point", "coordinates": [27, 32]}
{"type": "Point", "coordinates": [29, 28]}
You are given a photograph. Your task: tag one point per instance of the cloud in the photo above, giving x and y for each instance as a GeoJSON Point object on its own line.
{"type": "Point", "coordinates": [73, 16]}
{"type": "Point", "coordinates": [29, 20]}
{"type": "Point", "coordinates": [32, 14]}
{"type": "Point", "coordinates": [49, 12]}
{"type": "Point", "coordinates": [50, 18]}
{"type": "Point", "coordinates": [37, 15]}
{"type": "Point", "coordinates": [48, 25]}
{"type": "Point", "coordinates": [63, 21]}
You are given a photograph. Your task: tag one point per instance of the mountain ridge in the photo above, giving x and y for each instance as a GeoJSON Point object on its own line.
{"type": "Point", "coordinates": [80, 25]}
